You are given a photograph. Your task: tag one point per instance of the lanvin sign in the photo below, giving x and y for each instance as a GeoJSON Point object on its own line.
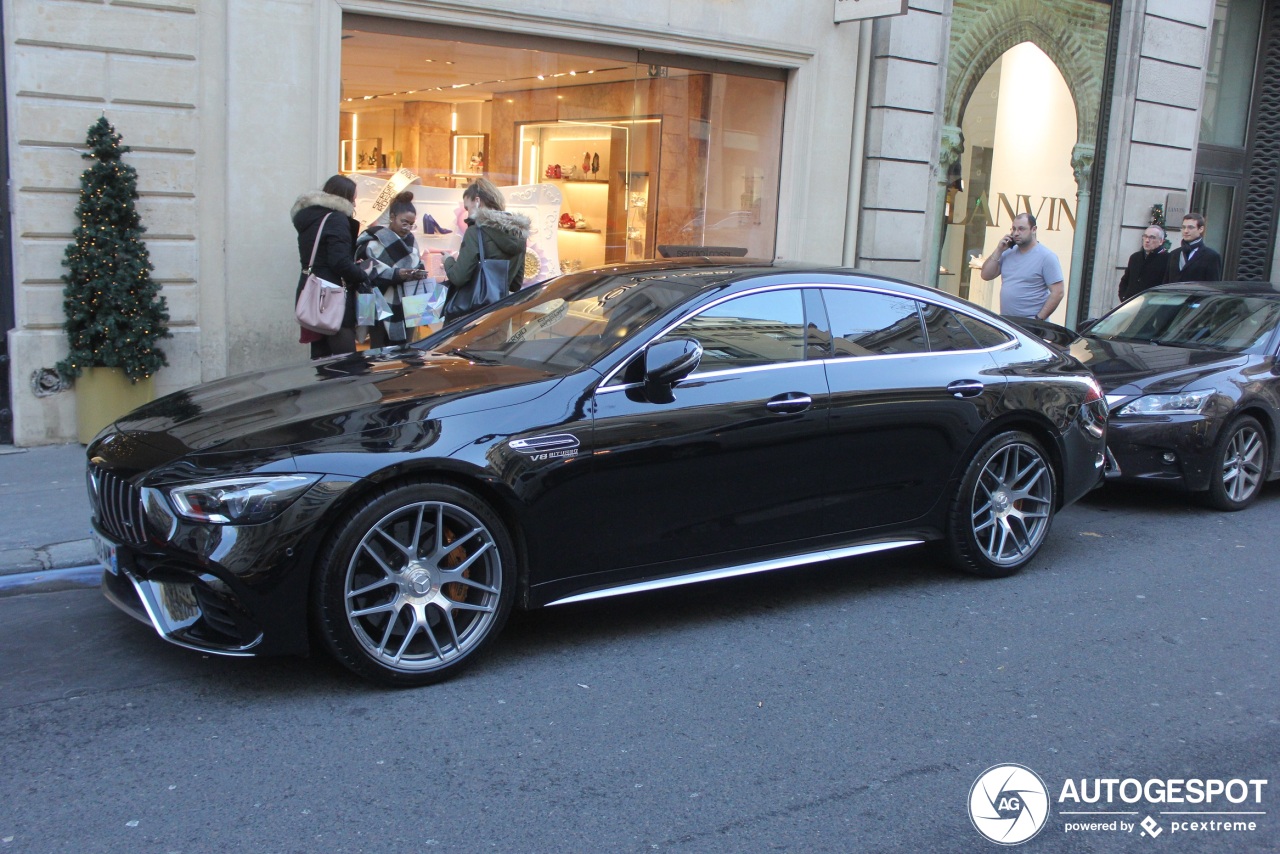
{"type": "Point", "coordinates": [1052, 213]}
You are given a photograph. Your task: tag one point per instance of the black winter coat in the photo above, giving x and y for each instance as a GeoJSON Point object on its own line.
{"type": "Point", "coordinates": [1205, 265]}
{"type": "Point", "coordinates": [1144, 271]}
{"type": "Point", "coordinates": [335, 258]}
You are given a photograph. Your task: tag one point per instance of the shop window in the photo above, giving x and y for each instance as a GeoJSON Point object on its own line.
{"type": "Point", "coordinates": [627, 151]}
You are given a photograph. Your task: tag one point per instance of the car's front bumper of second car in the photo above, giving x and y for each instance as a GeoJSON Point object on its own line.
{"type": "Point", "coordinates": [225, 589]}
{"type": "Point", "coordinates": [1174, 451]}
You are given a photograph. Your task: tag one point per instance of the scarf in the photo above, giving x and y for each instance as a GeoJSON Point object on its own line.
{"type": "Point", "coordinates": [1187, 256]}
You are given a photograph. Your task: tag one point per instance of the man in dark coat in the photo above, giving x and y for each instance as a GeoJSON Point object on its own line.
{"type": "Point", "coordinates": [1193, 261]}
{"type": "Point", "coordinates": [1147, 267]}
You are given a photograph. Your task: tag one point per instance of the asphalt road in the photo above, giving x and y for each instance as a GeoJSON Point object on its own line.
{"type": "Point", "coordinates": [847, 708]}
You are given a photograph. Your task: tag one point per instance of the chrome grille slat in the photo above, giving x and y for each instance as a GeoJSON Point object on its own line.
{"type": "Point", "coordinates": [118, 505]}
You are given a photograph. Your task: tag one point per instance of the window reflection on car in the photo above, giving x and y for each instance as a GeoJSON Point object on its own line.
{"type": "Point", "coordinates": [1231, 323]}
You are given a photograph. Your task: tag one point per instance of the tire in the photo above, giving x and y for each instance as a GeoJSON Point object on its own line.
{"type": "Point", "coordinates": [1003, 509]}
{"type": "Point", "coordinates": [1239, 465]}
{"type": "Point", "coordinates": [416, 582]}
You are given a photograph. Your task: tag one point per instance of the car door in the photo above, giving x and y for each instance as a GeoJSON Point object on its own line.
{"type": "Point", "coordinates": [910, 389]}
{"type": "Point", "coordinates": [734, 461]}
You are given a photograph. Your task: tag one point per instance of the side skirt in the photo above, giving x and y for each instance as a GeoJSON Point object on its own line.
{"type": "Point", "coordinates": [734, 571]}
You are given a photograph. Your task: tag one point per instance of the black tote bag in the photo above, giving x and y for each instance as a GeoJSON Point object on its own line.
{"type": "Point", "coordinates": [488, 286]}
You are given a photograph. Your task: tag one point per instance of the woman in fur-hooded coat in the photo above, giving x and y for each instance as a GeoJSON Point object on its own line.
{"type": "Point", "coordinates": [505, 235]}
{"type": "Point", "coordinates": [335, 257]}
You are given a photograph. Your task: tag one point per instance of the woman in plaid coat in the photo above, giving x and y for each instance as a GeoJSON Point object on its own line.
{"type": "Point", "coordinates": [395, 263]}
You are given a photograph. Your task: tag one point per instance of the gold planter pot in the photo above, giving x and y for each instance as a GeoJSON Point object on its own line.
{"type": "Point", "coordinates": [103, 395]}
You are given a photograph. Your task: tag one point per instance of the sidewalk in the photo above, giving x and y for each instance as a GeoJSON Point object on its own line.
{"type": "Point", "coordinates": [44, 509]}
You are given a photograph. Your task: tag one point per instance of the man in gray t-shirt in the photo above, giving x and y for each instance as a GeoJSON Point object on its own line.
{"type": "Point", "coordinates": [1030, 275]}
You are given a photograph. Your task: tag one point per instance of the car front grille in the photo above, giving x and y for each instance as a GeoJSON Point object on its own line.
{"type": "Point", "coordinates": [117, 504]}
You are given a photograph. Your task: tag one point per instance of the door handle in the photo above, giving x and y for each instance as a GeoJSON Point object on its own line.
{"type": "Point", "coordinates": [966, 388]}
{"type": "Point", "coordinates": [791, 401]}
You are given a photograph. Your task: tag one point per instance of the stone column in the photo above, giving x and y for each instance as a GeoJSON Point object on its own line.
{"type": "Point", "coordinates": [1082, 166]}
{"type": "Point", "coordinates": [951, 148]}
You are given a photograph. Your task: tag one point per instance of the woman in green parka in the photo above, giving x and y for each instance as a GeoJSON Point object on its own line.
{"type": "Point", "coordinates": [505, 235]}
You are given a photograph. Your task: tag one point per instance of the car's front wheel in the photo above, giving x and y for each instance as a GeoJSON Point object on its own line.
{"type": "Point", "coordinates": [416, 582]}
{"type": "Point", "coordinates": [1001, 514]}
{"type": "Point", "coordinates": [1239, 465]}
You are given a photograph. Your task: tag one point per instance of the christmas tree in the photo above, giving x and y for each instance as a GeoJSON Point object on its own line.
{"type": "Point", "coordinates": [115, 313]}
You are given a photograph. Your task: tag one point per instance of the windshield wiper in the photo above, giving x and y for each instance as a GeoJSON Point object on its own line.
{"type": "Point", "coordinates": [471, 355]}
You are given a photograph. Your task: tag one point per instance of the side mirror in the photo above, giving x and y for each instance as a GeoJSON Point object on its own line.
{"type": "Point", "coordinates": [666, 363]}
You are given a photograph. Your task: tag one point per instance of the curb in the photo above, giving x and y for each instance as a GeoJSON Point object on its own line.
{"type": "Point", "coordinates": [68, 555]}
{"type": "Point", "coordinates": [50, 581]}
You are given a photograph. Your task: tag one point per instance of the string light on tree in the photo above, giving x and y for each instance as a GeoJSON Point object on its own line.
{"type": "Point", "coordinates": [115, 314]}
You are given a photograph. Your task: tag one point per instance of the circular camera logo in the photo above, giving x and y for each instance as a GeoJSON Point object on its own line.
{"type": "Point", "coordinates": [1008, 804]}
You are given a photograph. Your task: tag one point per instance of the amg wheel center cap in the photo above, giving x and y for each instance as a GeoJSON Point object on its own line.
{"type": "Point", "coordinates": [1000, 501]}
{"type": "Point", "coordinates": [419, 581]}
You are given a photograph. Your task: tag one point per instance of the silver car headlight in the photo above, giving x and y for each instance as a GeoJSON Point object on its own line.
{"type": "Point", "coordinates": [1183, 403]}
{"type": "Point", "coordinates": [241, 500]}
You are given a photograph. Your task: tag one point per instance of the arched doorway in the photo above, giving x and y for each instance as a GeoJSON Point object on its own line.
{"type": "Point", "coordinates": [1019, 133]}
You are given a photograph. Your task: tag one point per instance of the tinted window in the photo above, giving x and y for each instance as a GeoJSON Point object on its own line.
{"type": "Point", "coordinates": [984, 333]}
{"type": "Point", "coordinates": [864, 323]}
{"type": "Point", "coordinates": [758, 329]}
{"type": "Point", "coordinates": [1232, 323]}
{"type": "Point", "coordinates": [946, 332]}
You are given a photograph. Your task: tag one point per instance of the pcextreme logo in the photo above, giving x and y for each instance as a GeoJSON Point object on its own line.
{"type": "Point", "coordinates": [1009, 804]}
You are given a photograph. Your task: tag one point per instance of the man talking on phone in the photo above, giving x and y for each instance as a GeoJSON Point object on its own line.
{"type": "Point", "coordinates": [1030, 275]}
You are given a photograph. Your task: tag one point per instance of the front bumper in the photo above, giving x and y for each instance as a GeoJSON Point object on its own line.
{"type": "Point", "coordinates": [1174, 451]}
{"type": "Point", "coordinates": [221, 589]}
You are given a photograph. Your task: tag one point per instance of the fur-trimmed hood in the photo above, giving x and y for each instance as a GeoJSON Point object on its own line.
{"type": "Point", "coordinates": [505, 222]}
{"type": "Point", "coordinates": [322, 199]}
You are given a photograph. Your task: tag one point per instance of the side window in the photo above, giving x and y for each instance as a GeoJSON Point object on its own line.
{"type": "Point", "coordinates": [757, 329]}
{"type": "Point", "coordinates": [985, 334]}
{"type": "Point", "coordinates": [945, 330]}
{"type": "Point", "coordinates": [866, 323]}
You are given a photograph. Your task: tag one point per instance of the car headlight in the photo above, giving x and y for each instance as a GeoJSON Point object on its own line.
{"type": "Point", "coordinates": [241, 500]}
{"type": "Point", "coordinates": [1184, 402]}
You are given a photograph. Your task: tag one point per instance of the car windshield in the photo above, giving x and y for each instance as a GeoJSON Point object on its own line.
{"type": "Point", "coordinates": [1231, 323]}
{"type": "Point", "coordinates": [566, 323]}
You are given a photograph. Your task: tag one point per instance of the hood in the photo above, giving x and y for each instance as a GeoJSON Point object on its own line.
{"type": "Point", "coordinates": [508, 229]}
{"type": "Point", "coordinates": [326, 399]}
{"type": "Point", "coordinates": [1133, 368]}
{"type": "Point", "coordinates": [318, 199]}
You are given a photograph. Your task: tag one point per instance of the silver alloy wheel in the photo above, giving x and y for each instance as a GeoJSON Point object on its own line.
{"type": "Point", "coordinates": [1012, 504]}
{"type": "Point", "coordinates": [1242, 463]}
{"type": "Point", "coordinates": [423, 586]}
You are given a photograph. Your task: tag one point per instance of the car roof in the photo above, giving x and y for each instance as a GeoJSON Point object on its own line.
{"type": "Point", "coordinates": [713, 271]}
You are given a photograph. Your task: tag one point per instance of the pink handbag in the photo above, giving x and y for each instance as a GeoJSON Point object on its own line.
{"type": "Point", "coordinates": [321, 305]}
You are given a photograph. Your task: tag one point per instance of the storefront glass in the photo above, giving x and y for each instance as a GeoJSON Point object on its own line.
{"type": "Point", "coordinates": [1233, 51]}
{"type": "Point", "coordinates": [1019, 130]}
{"type": "Point", "coordinates": [621, 153]}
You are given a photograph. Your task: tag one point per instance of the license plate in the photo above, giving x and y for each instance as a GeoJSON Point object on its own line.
{"type": "Point", "coordinates": [106, 553]}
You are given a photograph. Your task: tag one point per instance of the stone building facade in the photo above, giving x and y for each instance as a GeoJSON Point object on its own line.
{"type": "Point", "coordinates": [234, 107]}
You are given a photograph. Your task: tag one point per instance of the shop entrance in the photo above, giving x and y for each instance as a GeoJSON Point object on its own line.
{"type": "Point", "coordinates": [1019, 130]}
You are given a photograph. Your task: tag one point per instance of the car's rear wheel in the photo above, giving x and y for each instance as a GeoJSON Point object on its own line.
{"type": "Point", "coordinates": [1239, 465]}
{"type": "Point", "coordinates": [416, 582]}
{"type": "Point", "coordinates": [1001, 514]}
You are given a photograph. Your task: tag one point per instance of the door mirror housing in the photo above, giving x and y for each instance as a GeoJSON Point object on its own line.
{"type": "Point", "coordinates": [666, 363]}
